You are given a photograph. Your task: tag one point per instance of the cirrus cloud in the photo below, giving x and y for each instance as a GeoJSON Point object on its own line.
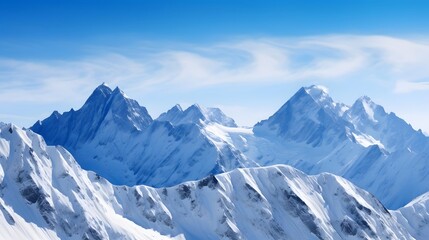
{"type": "Point", "coordinates": [401, 63]}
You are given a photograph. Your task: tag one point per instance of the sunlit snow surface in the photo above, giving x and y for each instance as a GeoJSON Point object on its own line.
{"type": "Point", "coordinates": [46, 195]}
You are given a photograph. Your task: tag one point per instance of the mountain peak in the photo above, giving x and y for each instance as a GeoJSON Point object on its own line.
{"type": "Point", "coordinates": [319, 93]}
{"type": "Point", "coordinates": [310, 116]}
{"type": "Point", "coordinates": [103, 88]}
{"type": "Point", "coordinates": [367, 102]}
{"type": "Point", "coordinates": [177, 107]}
{"type": "Point", "coordinates": [317, 88]}
{"type": "Point", "coordinates": [196, 108]}
{"type": "Point", "coordinates": [104, 109]}
{"type": "Point", "coordinates": [365, 99]}
{"type": "Point", "coordinates": [117, 90]}
{"type": "Point", "coordinates": [316, 96]}
{"type": "Point", "coordinates": [118, 94]}
{"type": "Point", "coordinates": [365, 105]}
{"type": "Point", "coordinates": [56, 114]}
{"type": "Point", "coordinates": [104, 94]}
{"type": "Point", "coordinates": [100, 94]}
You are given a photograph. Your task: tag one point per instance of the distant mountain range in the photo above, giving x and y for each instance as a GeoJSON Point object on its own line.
{"type": "Point", "coordinates": [117, 138]}
{"type": "Point", "coordinates": [44, 194]}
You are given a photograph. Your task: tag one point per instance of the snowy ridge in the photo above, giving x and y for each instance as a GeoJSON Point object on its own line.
{"type": "Point", "coordinates": [45, 194]}
{"type": "Point", "coordinates": [415, 216]}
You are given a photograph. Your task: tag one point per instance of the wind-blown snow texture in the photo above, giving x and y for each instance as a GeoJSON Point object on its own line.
{"type": "Point", "coordinates": [44, 194]}
{"type": "Point", "coordinates": [376, 150]}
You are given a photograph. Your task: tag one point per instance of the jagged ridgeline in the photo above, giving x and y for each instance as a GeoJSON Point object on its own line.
{"type": "Point", "coordinates": [116, 137]}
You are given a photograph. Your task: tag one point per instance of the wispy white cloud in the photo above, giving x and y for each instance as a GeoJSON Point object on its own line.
{"type": "Point", "coordinates": [406, 87]}
{"type": "Point", "coordinates": [401, 63]}
{"type": "Point", "coordinates": [51, 81]}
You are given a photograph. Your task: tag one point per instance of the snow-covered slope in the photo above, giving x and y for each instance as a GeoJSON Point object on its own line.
{"type": "Point", "coordinates": [376, 150]}
{"type": "Point", "coordinates": [44, 194]}
{"type": "Point", "coordinates": [168, 154]}
{"type": "Point", "coordinates": [415, 216]}
{"type": "Point", "coordinates": [115, 137]}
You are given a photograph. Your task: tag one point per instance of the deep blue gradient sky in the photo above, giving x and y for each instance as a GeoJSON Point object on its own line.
{"type": "Point", "coordinates": [37, 25]}
{"type": "Point", "coordinates": [53, 53]}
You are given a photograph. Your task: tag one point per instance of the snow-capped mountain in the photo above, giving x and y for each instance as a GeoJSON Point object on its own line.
{"type": "Point", "coordinates": [376, 150]}
{"type": "Point", "coordinates": [310, 117]}
{"type": "Point", "coordinates": [105, 111]}
{"type": "Point", "coordinates": [391, 131]}
{"type": "Point", "coordinates": [44, 194]}
{"type": "Point", "coordinates": [362, 143]}
{"type": "Point", "coordinates": [108, 119]}
{"type": "Point", "coordinates": [115, 137]}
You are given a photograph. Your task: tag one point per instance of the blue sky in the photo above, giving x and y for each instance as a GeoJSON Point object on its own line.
{"type": "Point", "coordinates": [247, 57]}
